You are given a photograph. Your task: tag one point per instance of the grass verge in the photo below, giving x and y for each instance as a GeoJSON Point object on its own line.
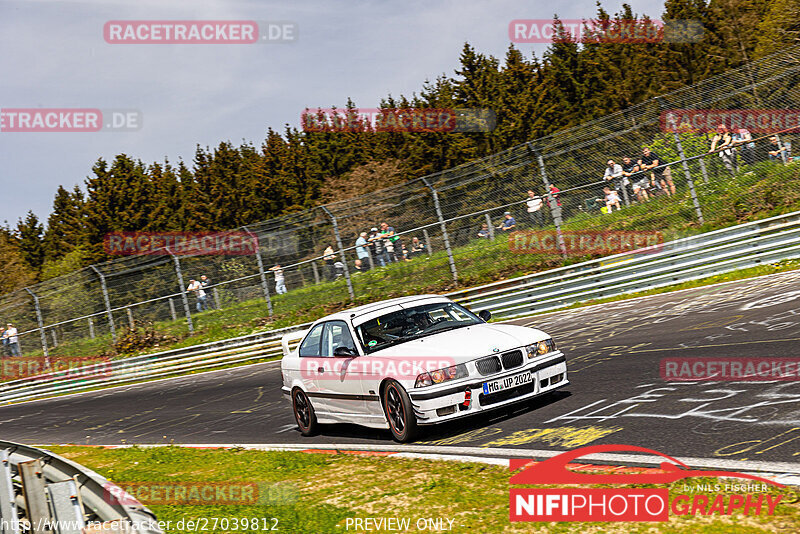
{"type": "Point", "coordinates": [319, 492]}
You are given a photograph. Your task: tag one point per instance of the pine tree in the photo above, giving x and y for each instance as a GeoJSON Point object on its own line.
{"type": "Point", "coordinates": [65, 225]}
{"type": "Point", "coordinates": [29, 236]}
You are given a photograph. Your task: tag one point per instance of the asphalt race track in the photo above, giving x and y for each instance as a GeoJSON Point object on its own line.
{"type": "Point", "coordinates": [616, 394]}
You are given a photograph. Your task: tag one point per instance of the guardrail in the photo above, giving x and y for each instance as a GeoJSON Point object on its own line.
{"type": "Point", "coordinates": [41, 492]}
{"type": "Point", "coordinates": [721, 251]}
{"type": "Point", "coordinates": [205, 357]}
{"type": "Point", "coordinates": [746, 245]}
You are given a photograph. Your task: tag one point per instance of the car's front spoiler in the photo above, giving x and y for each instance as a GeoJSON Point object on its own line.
{"type": "Point", "coordinates": [460, 388]}
{"type": "Point", "coordinates": [427, 405]}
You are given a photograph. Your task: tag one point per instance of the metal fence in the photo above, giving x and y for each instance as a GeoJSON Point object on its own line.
{"type": "Point", "coordinates": [444, 212]}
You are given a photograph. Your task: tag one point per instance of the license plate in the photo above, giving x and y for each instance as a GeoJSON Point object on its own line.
{"type": "Point", "coordinates": [507, 382]}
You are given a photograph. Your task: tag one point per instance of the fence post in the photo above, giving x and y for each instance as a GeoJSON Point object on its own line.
{"type": "Point", "coordinates": [689, 180]}
{"type": "Point", "coordinates": [427, 241]}
{"type": "Point", "coordinates": [663, 105]}
{"type": "Point", "coordinates": [91, 328]}
{"type": "Point", "coordinates": [625, 190]}
{"type": "Point", "coordinates": [341, 253]}
{"type": "Point", "coordinates": [444, 230]}
{"type": "Point", "coordinates": [490, 225]}
{"type": "Point", "coordinates": [41, 324]}
{"type": "Point", "coordinates": [172, 309]}
{"type": "Point", "coordinates": [130, 317]}
{"type": "Point", "coordinates": [703, 170]}
{"type": "Point", "coordinates": [261, 273]}
{"type": "Point", "coordinates": [183, 292]}
{"type": "Point", "coordinates": [107, 302]}
{"type": "Point", "coordinates": [55, 338]}
{"type": "Point", "coordinates": [555, 209]}
{"type": "Point", "coordinates": [316, 272]}
{"type": "Point", "coordinates": [216, 298]}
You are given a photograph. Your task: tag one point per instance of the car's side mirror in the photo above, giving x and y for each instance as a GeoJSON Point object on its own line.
{"type": "Point", "coordinates": [344, 352]}
{"type": "Point", "coordinates": [485, 315]}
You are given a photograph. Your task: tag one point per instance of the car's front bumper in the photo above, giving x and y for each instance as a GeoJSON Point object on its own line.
{"type": "Point", "coordinates": [434, 404]}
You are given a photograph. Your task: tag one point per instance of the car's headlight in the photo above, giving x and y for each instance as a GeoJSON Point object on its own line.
{"type": "Point", "coordinates": [542, 347]}
{"type": "Point", "coordinates": [441, 375]}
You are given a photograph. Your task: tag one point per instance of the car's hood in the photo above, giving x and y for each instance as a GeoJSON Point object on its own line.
{"type": "Point", "coordinates": [467, 343]}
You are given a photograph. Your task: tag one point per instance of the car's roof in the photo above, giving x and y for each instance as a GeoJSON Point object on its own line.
{"type": "Point", "coordinates": [377, 306]}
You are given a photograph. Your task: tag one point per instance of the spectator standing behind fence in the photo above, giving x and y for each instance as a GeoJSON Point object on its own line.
{"type": "Point", "coordinates": [483, 233]}
{"type": "Point", "coordinates": [330, 258]}
{"type": "Point", "coordinates": [722, 140]}
{"type": "Point", "coordinates": [376, 241]}
{"type": "Point", "coordinates": [280, 279]}
{"type": "Point", "coordinates": [775, 148]}
{"type": "Point", "coordinates": [509, 224]}
{"type": "Point", "coordinates": [555, 192]}
{"type": "Point", "coordinates": [196, 288]}
{"type": "Point", "coordinates": [417, 247]}
{"type": "Point", "coordinates": [613, 174]}
{"type": "Point", "coordinates": [743, 137]}
{"type": "Point", "coordinates": [629, 167]}
{"type": "Point", "coordinates": [404, 251]}
{"type": "Point", "coordinates": [361, 251]}
{"type": "Point", "coordinates": [534, 204]}
{"type": "Point", "coordinates": [648, 162]}
{"type": "Point", "coordinates": [391, 246]}
{"type": "Point", "coordinates": [12, 339]}
{"type": "Point", "coordinates": [205, 284]}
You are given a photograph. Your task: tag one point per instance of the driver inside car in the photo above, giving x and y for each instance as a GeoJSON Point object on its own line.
{"type": "Point", "coordinates": [417, 322]}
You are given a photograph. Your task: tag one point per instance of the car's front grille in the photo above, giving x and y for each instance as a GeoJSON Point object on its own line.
{"type": "Point", "coordinates": [512, 359]}
{"type": "Point", "coordinates": [506, 394]}
{"type": "Point", "coordinates": [488, 366]}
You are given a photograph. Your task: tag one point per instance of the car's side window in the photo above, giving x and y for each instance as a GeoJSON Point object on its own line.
{"type": "Point", "coordinates": [336, 334]}
{"type": "Point", "coordinates": [310, 345]}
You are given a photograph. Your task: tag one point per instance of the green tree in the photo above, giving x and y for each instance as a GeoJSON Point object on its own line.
{"type": "Point", "coordinates": [29, 233]}
{"type": "Point", "coordinates": [65, 225]}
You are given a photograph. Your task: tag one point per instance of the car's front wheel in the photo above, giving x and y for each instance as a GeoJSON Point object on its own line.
{"type": "Point", "coordinates": [399, 412]}
{"type": "Point", "coordinates": [304, 413]}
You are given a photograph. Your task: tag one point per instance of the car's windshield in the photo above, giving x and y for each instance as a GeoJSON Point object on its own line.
{"type": "Point", "coordinates": [412, 323]}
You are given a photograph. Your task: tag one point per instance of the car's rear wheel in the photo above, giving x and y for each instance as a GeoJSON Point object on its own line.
{"type": "Point", "coordinates": [399, 412]}
{"type": "Point", "coordinates": [304, 413]}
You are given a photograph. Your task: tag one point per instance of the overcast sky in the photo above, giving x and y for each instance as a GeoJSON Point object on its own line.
{"type": "Point", "coordinates": [53, 55]}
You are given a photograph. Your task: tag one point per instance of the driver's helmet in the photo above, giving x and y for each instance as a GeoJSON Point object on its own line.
{"type": "Point", "coordinates": [418, 318]}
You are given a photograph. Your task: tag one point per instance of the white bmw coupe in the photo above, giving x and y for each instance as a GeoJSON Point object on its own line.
{"type": "Point", "coordinates": [413, 361]}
